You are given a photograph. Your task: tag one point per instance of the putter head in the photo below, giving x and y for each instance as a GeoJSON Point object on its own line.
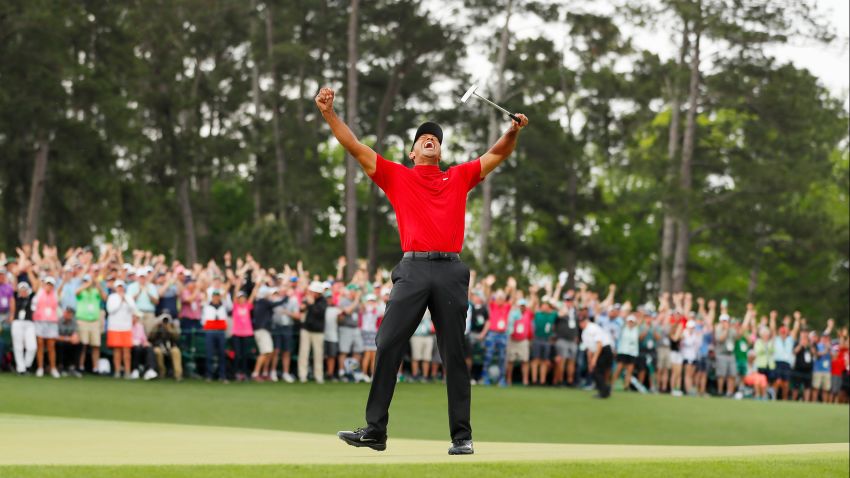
{"type": "Point", "coordinates": [468, 93]}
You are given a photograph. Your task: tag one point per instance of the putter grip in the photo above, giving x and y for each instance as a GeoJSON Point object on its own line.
{"type": "Point", "coordinates": [513, 117]}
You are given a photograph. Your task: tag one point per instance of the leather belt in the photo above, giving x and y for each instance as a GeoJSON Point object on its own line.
{"type": "Point", "coordinates": [432, 256]}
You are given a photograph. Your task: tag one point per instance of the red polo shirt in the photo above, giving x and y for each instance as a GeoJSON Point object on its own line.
{"type": "Point", "coordinates": [429, 204]}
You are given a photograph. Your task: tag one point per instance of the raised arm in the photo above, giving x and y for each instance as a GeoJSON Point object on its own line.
{"type": "Point", "coordinates": [364, 155]}
{"type": "Point", "coordinates": [503, 147]}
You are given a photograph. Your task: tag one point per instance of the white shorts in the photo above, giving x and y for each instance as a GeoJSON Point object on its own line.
{"type": "Point", "coordinates": [675, 357]}
{"type": "Point", "coordinates": [421, 348]}
{"type": "Point", "coordinates": [264, 341]}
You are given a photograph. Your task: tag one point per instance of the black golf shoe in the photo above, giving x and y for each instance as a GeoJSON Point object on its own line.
{"type": "Point", "coordinates": [361, 437]}
{"type": "Point", "coordinates": [461, 447]}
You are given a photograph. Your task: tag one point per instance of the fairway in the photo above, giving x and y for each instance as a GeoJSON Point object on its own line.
{"type": "Point", "coordinates": [174, 429]}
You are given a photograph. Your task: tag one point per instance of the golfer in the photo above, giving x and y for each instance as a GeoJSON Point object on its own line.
{"type": "Point", "coordinates": [430, 205]}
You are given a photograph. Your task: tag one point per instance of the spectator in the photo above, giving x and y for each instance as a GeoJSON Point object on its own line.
{"type": "Point", "coordinates": [763, 348]}
{"type": "Point", "coordinates": [7, 307]}
{"type": "Point", "coordinates": [519, 343]}
{"type": "Point", "coordinates": [421, 346]}
{"type": "Point", "coordinates": [350, 337]}
{"type": "Point", "coordinates": [267, 299]}
{"type": "Point", "coordinates": [494, 334]}
{"type": "Point", "coordinates": [370, 315]}
{"type": "Point", "coordinates": [168, 289]}
{"type": "Point", "coordinates": [214, 323]}
{"type": "Point", "coordinates": [783, 352]}
{"type": "Point", "coordinates": [90, 299]}
{"type": "Point", "coordinates": [597, 342]}
{"type": "Point", "coordinates": [801, 376]}
{"type": "Point", "coordinates": [839, 358]}
{"type": "Point", "coordinates": [142, 352]}
{"type": "Point", "coordinates": [282, 330]}
{"type": "Point", "coordinates": [649, 334]}
{"type": "Point", "coordinates": [242, 331]}
{"type": "Point", "coordinates": [119, 334]}
{"type": "Point", "coordinates": [754, 378]}
{"type": "Point", "coordinates": [330, 342]}
{"type": "Point", "coordinates": [164, 339]}
{"type": "Point", "coordinates": [705, 328]}
{"type": "Point", "coordinates": [191, 306]}
{"type": "Point", "coordinates": [23, 328]}
{"type": "Point", "coordinates": [541, 348]}
{"type": "Point", "coordinates": [822, 376]}
{"type": "Point", "coordinates": [724, 347]}
{"type": "Point", "coordinates": [480, 316]}
{"type": "Point", "coordinates": [566, 337]}
{"type": "Point", "coordinates": [676, 357]}
{"type": "Point", "coordinates": [313, 312]}
{"type": "Point", "coordinates": [691, 341]}
{"type": "Point", "coordinates": [68, 345]}
{"type": "Point", "coordinates": [627, 350]}
{"type": "Point", "coordinates": [46, 319]}
{"type": "Point", "coordinates": [665, 355]}
{"type": "Point", "coordinates": [146, 296]}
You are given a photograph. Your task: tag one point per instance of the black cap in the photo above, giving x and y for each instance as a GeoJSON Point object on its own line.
{"type": "Point", "coordinates": [428, 127]}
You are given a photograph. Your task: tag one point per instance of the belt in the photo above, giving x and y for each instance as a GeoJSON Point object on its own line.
{"type": "Point", "coordinates": [432, 256]}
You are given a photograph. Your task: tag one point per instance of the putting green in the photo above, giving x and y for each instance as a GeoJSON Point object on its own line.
{"type": "Point", "coordinates": [74, 441]}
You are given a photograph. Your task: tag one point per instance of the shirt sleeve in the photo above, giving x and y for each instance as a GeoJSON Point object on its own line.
{"type": "Point", "coordinates": [469, 172]}
{"type": "Point", "coordinates": [385, 174]}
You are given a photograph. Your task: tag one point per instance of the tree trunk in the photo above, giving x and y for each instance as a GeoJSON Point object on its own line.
{"type": "Point", "coordinates": [255, 129]}
{"type": "Point", "coordinates": [39, 176]}
{"type": "Point", "coordinates": [683, 239]}
{"type": "Point", "coordinates": [188, 219]}
{"type": "Point", "coordinates": [350, 163]}
{"type": "Point", "coordinates": [280, 159]}
{"type": "Point", "coordinates": [752, 285]}
{"type": "Point", "coordinates": [393, 86]}
{"type": "Point", "coordinates": [492, 136]}
{"type": "Point", "coordinates": [668, 235]}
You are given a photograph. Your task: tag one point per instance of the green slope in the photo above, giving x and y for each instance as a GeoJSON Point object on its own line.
{"type": "Point", "coordinates": [419, 411]}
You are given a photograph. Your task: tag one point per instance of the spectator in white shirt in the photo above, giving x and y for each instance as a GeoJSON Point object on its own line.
{"type": "Point", "coordinates": [597, 342]}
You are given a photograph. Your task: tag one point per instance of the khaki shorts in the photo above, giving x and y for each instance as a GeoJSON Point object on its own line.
{"type": "Point", "coordinates": [263, 337]}
{"type": "Point", "coordinates": [821, 381]}
{"type": "Point", "coordinates": [663, 359]}
{"type": "Point", "coordinates": [89, 332]}
{"type": "Point", "coordinates": [421, 348]}
{"type": "Point", "coordinates": [518, 351]}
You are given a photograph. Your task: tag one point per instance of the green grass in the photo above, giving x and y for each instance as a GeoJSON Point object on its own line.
{"type": "Point", "coordinates": [821, 465]}
{"type": "Point", "coordinates": [419, 411]}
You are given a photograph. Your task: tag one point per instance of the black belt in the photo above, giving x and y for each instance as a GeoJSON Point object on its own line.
{"type": "Point", "coordinates": [432, 256]}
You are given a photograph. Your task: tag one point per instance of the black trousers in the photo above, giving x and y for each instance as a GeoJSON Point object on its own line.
{"type": "Point", "coordinates": [441, 286]}
{"type": "Point", "coordinates": [603, 371]}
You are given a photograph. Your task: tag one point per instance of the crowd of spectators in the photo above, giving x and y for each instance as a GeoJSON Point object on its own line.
{"type": "Point", "coordinates": [143, 317]}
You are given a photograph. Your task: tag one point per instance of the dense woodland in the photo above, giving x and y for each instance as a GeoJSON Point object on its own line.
{"type": "Point", "coordinates": [188, 127]}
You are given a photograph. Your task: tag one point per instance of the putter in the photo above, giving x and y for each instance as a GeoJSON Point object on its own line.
{"type": "Point", "coordinates": [471, 92]}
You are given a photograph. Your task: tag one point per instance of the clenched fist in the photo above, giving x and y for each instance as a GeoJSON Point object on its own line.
{"type": "Point", "coordinates": [522, 124]}
{"type": "Point", "coordinates": [325, 100]}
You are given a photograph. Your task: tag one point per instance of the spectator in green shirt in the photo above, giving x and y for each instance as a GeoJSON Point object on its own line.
{"type": "Point", "coordinates": [541, 347]}
{"type": "Point", "coordinates": [90, 299]}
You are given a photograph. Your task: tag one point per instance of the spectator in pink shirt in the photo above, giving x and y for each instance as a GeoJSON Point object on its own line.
{"type": "Point", "coordinates": [242, 331]}
{"type": "Point", "coordinates": [143, 356]}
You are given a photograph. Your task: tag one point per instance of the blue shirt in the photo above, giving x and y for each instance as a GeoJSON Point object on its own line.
{"type": "Point", "coordinates": [824, 361]}
{"type": "Point", "coordinates": [783, 349]}
{"type": "Point", "coordinates": [69, 292]}
{"type": "Point", "coordinates": [143, 301]}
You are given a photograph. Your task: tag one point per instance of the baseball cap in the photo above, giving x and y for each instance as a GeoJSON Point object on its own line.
{"type": "Point", "coordinates": [24, 285]}
{"type": "Point", "coordinates": [428, 127]}
{"type": "Point", "coordinates": [371, 297]}
{"type": "Point", "coordinates": [631, 318]}
{"type": "Point", "coordinates": [119, 283]}
{"type": "Point", "coordinates": [724, 317]}
{"type": "Point", "coordinates": [50, 280]}
{"type": "Point", "coordinates": [522, 303]}
{"type": "Point", "coordinates": [316, 287]}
